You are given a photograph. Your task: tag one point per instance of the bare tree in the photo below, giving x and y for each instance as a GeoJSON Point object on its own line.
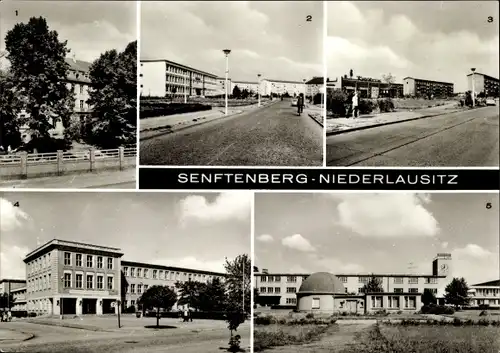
{"type": "Point", "coordinates": [389, 79]}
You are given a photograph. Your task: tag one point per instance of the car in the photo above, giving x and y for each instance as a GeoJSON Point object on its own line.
{"type": "Point", "coordinates": [490, 101]}
{"type": "Point", "coordinates": [294, 102]}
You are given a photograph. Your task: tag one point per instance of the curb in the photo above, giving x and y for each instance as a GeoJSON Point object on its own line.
{"type": "Point", "coordinates": [30, 336]}
{"type": "Point", "coordinates": [383, 124]}
{"type": "Point", "coordinates": [80, 327]}
{"type": "Point", "coordinates": [316, 120]}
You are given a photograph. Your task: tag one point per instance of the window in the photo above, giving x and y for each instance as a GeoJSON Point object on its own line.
{"type": "Point", "coordinates": [110, 263]}
{"type": "Point", "coordinates": [413, 280]}
{"type": "Point", "coordinates": [90, 281]}
{"type": "Point", "coordinates": [398, 290]}
{"type": "Point", "coordinates": [393, 302]}
{"type": "Point", "coordinates": [291, 301]}
{"type": "Point", "coordinates": [160, 275]}
{"type": "Point", "coordinates": [79, 260]}
{"type": "Point", "coordinates": [431, 280]}
{"type": "Point", "coordinates": [100, 283]}
{"type": "Point", "coordinates": [99, 262]}
{"type": "Point", "coordinates": [146, 287]}
{"type": "Point", "coordinates": [291, 279]}
{"type": "Point", "coordinates": [433, 290]}
{"type": "Point", "coordinates": [139, 288]}
{"type": "Point", "coordinates": [155, 274]}
{"type": "Point", "coordinates": [132, 272]}
{"type": "Point", "coordinates": [291, 289]}
{"type": "Point", "coordinates": [77, 85]}
{"type": "Point", "coordinates": [81, 104]}
{"type": "Point", "coordinates": [110, 283]}
{"type": "Point", "coordinates": [79, 279]}
{"type": "Point", "coordinates": [263, 289]}
{"type": "Point", "coordinates": [277, 278]}
{"type": "Point", "coordinates": [81, 89]}
{"type": "Point", "coordinates": [315, 303]}
{"type": "Point", "coordinates": [377, 302]}
{"type": "Point", "coordinates": [67, 259]}
{"type": "Point", "coordinates": [132, 288]}
{"type": "Point", "coordinates": [398, 280]}
{"type": "Point", "coordinates": [90, 261]}
{"type": "Point", "coordinates": [413, 290]}
{"type": "Point", "coordinates": [277, 290]}
{"type": "Point", "coordinates": [343, 279]}
{"type": "Point", "coordinates": [125, 271]}
{"type": "Point", "coordinates": [363, 279]}
{"type": "Point", "coordinates": [263, 278]}
{"type": "Point", "coordinates": [132, 302]}
{"type": "Point", "coordinates": [270, 289]}
{"type": "Point", "coordinates": [49, 281]}
{"type": "Point", "coordinates": [138, 272]}
{"type": "Point", "coordinates": [67, 280]}
{"type": "Point", "coordinates": [145, 273]}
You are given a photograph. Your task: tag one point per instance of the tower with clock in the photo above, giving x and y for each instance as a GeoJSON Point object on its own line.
{"type": "Point", "coordinates": [441, 266]}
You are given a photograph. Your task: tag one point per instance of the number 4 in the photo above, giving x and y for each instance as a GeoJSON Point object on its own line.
{"type": "Point", "coordinates": [16, 204]}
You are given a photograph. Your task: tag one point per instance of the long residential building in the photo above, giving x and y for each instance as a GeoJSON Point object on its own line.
{"type": "Point", "coordinates": [280, 289]}
{"type": "Point", "coordinates": [483, 83]}
{"type": "Point", "coordinates": [164, 78]}
{"type": "Point", "coordinates": [281, 87]}
{"type": "Point", "coordinates": [370, 87]}
{"type": "Point", "coordinates": [416, 87]}
{"type": "Point", "coordinates": [486, 293]}
{"type": "Point", "coordinates": [74, 278]}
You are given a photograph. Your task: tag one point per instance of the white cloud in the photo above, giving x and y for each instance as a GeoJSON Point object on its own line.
{"type": "Point", "coordinates": [11, 261]}
{"type": "Point", "coordinates": [475, 263]}
{"type": "Point", "coordinates": [191, 262]}
{"type": "Point", "coordinates": [474, 251]}
{"type": "Point", "coordinates": [444, 244]}
{"type": "Point", "coordinates": [386, 215]}
{"type": "Point", "coordinates": [226, 206]}
{"type": "Point", "coordinates": [333, 265]}
{"type": "Point", "coordinates": [11, 217]}
{"type": "Point", "coordinates": [265, 238]}
{"type": "Point", "coordinates": [298, 242]}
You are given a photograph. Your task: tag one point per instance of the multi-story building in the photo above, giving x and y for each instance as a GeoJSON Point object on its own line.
{"type": "Point", "coordinates": [138, 277]}
{"type": "Point", "coordinates": [487, 293]}
{"type": "Point", "coordinates": [370, 87]}
{"type": "Point", "coordinates": [314, 86]}
{"type": "Point", "coordinates": [78, 82]}
{"type": "Point", "coordinates": [67, 277]}
{"type": "Point", "coordinates": [279, 289]}
{"type": "Point", "coordinates": [161, 78]}
{"type": "Point", "coordinates": [16, 287]}
{"type": "Point", "coordinates": [483, 83]}
{"type": "Point", "coordinates": [280, 87]}
{"type": "Point", "coordinates": [416, 87]}
{"type": "Point", "coordinates": [251, 87]}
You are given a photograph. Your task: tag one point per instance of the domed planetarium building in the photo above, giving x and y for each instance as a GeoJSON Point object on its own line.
{"type": "Point", "coordinates": [323, 292]}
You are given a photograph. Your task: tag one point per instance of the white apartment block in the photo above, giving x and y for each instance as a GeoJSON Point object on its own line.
{"type": "Point", "coordinates": [280, 87]}
{"type": "Point", "coordinates": [487, 293]}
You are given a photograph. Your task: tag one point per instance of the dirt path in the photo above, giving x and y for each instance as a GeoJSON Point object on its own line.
{"type": "Point", "coordinates": [335, 339]}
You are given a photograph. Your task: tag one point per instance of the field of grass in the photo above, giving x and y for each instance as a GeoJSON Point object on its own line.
{"type": "Point", "coordinates": [423, 339]}
{"type": "Point", "coordinates": [276, 335]}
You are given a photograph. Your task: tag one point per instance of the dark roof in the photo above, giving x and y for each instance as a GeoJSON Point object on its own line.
{"type": "Point", "coordinates": [488, 76]}
{"type": "Point", "coordinates": [169, 268]}
{"type": "Point", "coordinates": [316, 81]}
{"type": "Point", "coordinates": [7, 280]}
{"type": "Point", "coordinates": [78, 65]}
{"type": "Point", "coordinates": [322, 282]}
{"type": "Point", "coordinates": [494, 283]}
{"type": "Point", "coordinates": [283, 81]}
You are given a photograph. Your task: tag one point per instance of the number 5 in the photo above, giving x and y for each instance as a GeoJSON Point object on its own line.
{"type": "Point", "coordinates": [488, 205]}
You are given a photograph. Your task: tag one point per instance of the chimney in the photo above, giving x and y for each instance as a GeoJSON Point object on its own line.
{"type": "Point", "coordinates": [264, 270]}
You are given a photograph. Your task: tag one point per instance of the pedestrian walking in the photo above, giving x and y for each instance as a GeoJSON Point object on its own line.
{"type": "Point", "coordinates": [355, 105]}
{"type": "Point", "coordinates": [300, 103]}
{"type": "Point", "coordinates": [9, 316]}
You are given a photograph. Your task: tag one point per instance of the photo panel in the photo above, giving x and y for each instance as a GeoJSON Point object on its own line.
{"type": "Point", "coordinates": [408, 79]}
{"type": "Point", "coordinates": [357, 272]}
{"type": "Point", "coordinates": [68, 93]}
{"type": "Point", "coordinates": [125, 271]}
{"type": "Point", "coordinates": [237, 83]}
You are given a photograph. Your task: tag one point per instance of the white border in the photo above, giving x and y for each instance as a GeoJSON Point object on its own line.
{"type": "Point", "coordinates": [325, 74]}
{"type": "Point", "coordinates": [138, 88]}
{"type": "Point", "coordinates": [252, 262]}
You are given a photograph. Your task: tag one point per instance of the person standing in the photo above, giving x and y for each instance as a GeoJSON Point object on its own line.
{"type": "Point", "coordinates": [300, 103]}
{"type": "Point", "coordinates": [355, 105]}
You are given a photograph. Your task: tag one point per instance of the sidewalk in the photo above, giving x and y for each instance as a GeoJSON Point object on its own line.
{"type": "Point", "coordinates": [124, 179]}
{"type": "Point", "coordinates": [152, 127]}
{"type": "Point", "coordinates": [340, 125]}
{"type": "Point", "coordinates": [315, 112]}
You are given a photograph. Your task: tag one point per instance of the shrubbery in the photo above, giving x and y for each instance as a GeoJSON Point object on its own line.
{"type": "Point", "coordinates": [309, 319]}
{"type": "Point", "coordinates": [200, 315]}
{"type": "Point", "coordinates": [437, 309]}
{"type": "Point", "coordinates": [154, 109]}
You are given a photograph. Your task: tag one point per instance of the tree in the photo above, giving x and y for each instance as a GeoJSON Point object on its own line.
{"type": "Point", "coordinates": [213, 296]}
{"type": "Point", "coordinates": [9, 108]}
{"type": "Point", "coordinates": [428, 297]}
{"type": "Point", "coordinates": [158, 297]}
{"type": "Point", "coordinates": [6, 300]}
{"type": "Point", "coordinates": [457, 292]}
{"type": "Point", "coordinates": [389, 79]}
{"type": "Point", "coordinates": [189, 293]}
{"type": "Point", "coordinates": [236, 92]}
{"type": "Point", "coordinates": [37, 61]}
{"type": "Point", "coordinates": [374, 285]}
{"type": "Point", "coordinates": [113, 98]}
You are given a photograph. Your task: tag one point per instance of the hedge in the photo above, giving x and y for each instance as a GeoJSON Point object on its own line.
{"type": "Point", "coordinates": [154, 109]}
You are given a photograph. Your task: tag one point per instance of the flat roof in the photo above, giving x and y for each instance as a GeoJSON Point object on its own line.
{"type": "Point", "coordinates": [282, 81]}
{"type": "Point", "coordinates": [7, 280]}
{"type": "Point", "coordinates": [179, 65]}
{"type": "Point", "coordinates": [423, 79]}
{"type": "Point", "coordinates": [488, 76]}
{"type": "Point", "coordinates": [57, 243]}
{"type": "Point", "coordinates": [169, 268]}
{"type": "Point", "coordinates": [494, 283]}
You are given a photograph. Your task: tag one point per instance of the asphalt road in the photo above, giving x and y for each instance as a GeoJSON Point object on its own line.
{"type": "Point", "coordinates": [270, 136]}
{"type": "Point", "coordinates": [464, 139]}
{"type": "Point", "coordinates": [52, 339]}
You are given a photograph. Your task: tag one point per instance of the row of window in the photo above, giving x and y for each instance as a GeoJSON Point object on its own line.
{"type": "Point", "coordinates": [487, 292]}
{"type": "Point", "coordinates": [40, 283]}
{"type": "Point", "coordinates": [394, 302]}
{"type": "Point", "coordinates": [165, 275]}
{"type": "Point", "coordinates": [38, 264]}
{"type": "Point", "coordinates": [343, 279]}
{"type": "Point", "coordinates": [290, 279]}
{"type": "Point", "coordinates": [89, 281]}
{"type": "Point", "coordinates": [277, 290]}
{"type": "Point", "coordinates": [89, 261]}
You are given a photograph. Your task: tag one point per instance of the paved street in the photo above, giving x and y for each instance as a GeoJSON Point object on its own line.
{"type": "Point", "coordinates": [467, 138]}
{"type": "Point", "coordinates": [188, 339]}
{"type": "Point", "coordinates": [124, 179]}
{"type": "Point", "coordinates": [270, 136]}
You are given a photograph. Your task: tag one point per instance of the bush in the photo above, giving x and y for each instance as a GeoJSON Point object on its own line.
{"type": "Point", "coordinates": [366, 106]}
{"type": "Point", "coordinates": [130, 310]}
{"type": "Point", "coordinates": [19, 313]}
{"type": "Point", "coordinates": [336, 102]}
{"type": "Point", "coordinates": [154, 109]}
{"type": "Point", "coordinates": [317, 98]}
{"type": "Point", "coordinates": [310, 316]}
{"type": "Point", "coordinates": [386, 105]}
{"type": "Point", "coordinates": [483, 313]}
{"type": "Point", "coordinates": [32, 315]}
{"type": "Point", "coordinates": [437, 310]}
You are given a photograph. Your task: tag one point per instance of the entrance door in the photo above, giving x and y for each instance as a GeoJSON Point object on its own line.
{"type": "Point", "coordinates": [89, 306]}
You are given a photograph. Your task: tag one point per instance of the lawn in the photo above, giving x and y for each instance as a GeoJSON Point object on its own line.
{"type": "Point", "coordinates": [266, 336]}
{"type": "Point", "coordinates": [423, 339]}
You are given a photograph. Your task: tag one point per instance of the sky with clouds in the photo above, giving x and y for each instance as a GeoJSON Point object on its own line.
{"type": "Point", "coordinates": [377, 233]}
{"type": "Point", "coordinates": [272, 38]}
{"type": "Point", "coordinates": [90, 27]}
{"type": "Point", "coordinates": [177, 229]}
{"type": "Point", "coordinates": [436, 40]}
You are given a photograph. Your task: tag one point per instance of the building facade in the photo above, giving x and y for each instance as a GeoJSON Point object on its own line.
{"type": "Point", "coordinates": [416, 87]}
{"type": "Point", "coordinates": [252, 87]}
{"type": "Point", "coordinates": [66, 277]}
{"type": "Point", "coordinates": [370, 87]}
{"type": "Point", "coordinates": [279, 289]}
{"type": "Point", "coordinates": [314, 86]}
{"type": "Point", "coordinates": [487, 293]}
{"type": "Point", "coordinates": [16, 287]}
{"type": "Point", "coordinates": [269, 87]}
{"type": "Point", "coordinates": [483, 83]}
{"type": "Point", "coordinates": [138, 277]}
{"type": "Point", "coordinates": [164, 78]}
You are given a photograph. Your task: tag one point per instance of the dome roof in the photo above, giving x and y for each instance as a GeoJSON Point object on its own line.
{"type": "Point", "coordinates": [322, 282]}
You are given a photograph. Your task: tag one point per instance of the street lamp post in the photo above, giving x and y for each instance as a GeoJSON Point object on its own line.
{"type": "Point", "coordinates": [473, 88]}
{"type": "Point", "coordinates": [226, 52]}
{"type": "Point", "coordinates": [258, 88]}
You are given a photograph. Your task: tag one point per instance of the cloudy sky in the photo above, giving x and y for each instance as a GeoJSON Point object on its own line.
{"type": "Point", "coordinates": [177, 229]}
{"type": "Point", "coordinates": [436, 40]}
{"type": "Point", "coordinates": [377, 233]}
{"type": "Point", "coordinates": [90, 27]}
{"type": "Point", "coordinates": [272, 38]}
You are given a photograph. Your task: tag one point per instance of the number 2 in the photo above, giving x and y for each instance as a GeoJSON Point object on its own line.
{"type": "Point", "coordinates": [309, 18]}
